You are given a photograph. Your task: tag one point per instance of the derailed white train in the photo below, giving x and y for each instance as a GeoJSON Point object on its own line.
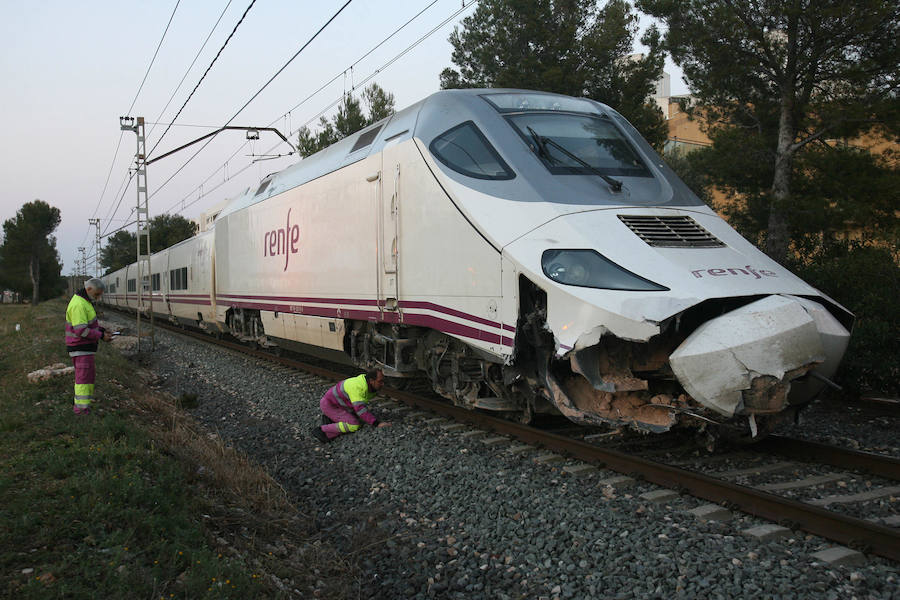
{"type": "Point", "coordinates": [527, 252]}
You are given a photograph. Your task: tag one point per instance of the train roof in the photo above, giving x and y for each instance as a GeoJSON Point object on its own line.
{"type": "Point", "coordinates": [355, 147]}
{"type": "Point", "coordinates": [425, 120]}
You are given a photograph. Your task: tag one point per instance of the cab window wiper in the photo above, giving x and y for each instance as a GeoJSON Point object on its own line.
{"type": "Point", "coordinates": [542, 141]}
{"type": "Point", "coordinates": [541, 147]}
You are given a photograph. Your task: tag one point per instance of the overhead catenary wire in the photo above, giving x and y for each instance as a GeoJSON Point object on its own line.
{"type": "Point", "coordinates": [202, 77]}
{"type": "Point", "coordinates": [123, 188]}
{"type": "Point", "coordinates": [179, 85]}
{"type": "Point", "coordinates": [456, 13]}
{"type": "Point", "coordinates": [152, 60]}
{"type": "Point", "coordinates": [191, 66]}
{"type": "Point", "coordinates": [255, 95]}
{"type": "Point", "coordinates": [136, 95]}
{"type": "Point", "coordinates": [112, 164]}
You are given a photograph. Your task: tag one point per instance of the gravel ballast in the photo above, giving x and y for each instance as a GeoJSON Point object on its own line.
{"type": "Point", "coordinates": [429, 513]}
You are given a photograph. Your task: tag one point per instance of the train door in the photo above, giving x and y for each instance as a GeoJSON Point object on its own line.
{"type": "Point", "coordinates": [390, 198]}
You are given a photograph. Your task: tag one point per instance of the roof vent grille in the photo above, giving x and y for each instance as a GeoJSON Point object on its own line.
{"type": "Point", "coordinates": [671, 232]}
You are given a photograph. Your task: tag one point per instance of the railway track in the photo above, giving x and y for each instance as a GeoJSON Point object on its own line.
{"type": "Point", "coordinates": [818, 519]}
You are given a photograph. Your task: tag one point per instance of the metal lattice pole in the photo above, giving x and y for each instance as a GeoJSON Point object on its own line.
{"type": "Point", "coordinates": [142, 212]}
{"type": "Point", "coordinates": [96, 224]}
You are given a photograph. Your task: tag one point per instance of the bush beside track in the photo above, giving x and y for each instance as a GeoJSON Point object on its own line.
{"type": "Point", "coordinates": [134, 500]}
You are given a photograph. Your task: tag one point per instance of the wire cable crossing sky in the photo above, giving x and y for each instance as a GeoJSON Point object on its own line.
{"type": "Point", "coordinates": [63, 107]}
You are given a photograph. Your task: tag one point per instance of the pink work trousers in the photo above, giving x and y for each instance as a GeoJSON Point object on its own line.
{"type": "Point", "coordinates": [84, 379]}
{"type": "Point", "coordinates": [339, 415]}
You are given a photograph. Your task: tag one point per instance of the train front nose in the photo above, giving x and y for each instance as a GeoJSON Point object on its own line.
{"type": "Point", "coordinates": [743, 362]}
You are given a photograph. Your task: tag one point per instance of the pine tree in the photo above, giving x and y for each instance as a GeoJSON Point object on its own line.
{"type": "Point", "coordinates": [795, 73]}
{"type": "Point", "coordinates": [28, 256]}
{"type": "Point", "coordinates": [570, 47]}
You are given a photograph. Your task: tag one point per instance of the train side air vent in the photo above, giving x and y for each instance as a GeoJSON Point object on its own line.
{"type": "Point", "coordinates": [671, 232]}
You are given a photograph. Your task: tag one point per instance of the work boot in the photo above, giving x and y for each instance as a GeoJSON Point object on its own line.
{"type": "Point", "coordinates": [320, 435]}
{"type": "Point", "coordinates": [326, 420]}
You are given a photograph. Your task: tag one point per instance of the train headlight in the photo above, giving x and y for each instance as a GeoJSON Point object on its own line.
{"type": "Point", "coordinates": [589, 268]}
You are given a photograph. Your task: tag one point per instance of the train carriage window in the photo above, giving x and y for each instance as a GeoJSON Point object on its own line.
{"type": "Point", "coordinates": [132, 285]}
{"type": "Point", "coordinates": [178, 279]}
{"type": "Point", "coordinates": [465, 150]}
{"type": "Point", "coordinates": [156, 282]}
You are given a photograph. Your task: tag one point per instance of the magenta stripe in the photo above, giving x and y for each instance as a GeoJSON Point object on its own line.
{"type": "Point", "coordinates": [389, 317]}
{"type": "Point", "coordinates": [189, 301]}
{"type": "Point", "coordinates": [365, 302]}
{"type": "Point", "coordinates": [353, 301]}
{"type": "Point", "coordinates": [449, 311]}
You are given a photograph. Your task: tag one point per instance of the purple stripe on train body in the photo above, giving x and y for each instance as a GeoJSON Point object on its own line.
{"type": "Point", "coordinates": [191, 301]}
{"type": "Point", "coordinates": [353, 301]}
{"type": "Point", "coordinates": [450, 311]}
{"type": "Point", "coordinates": [436, 323]}
{"type": "Point", "coordinates": [367, 302]}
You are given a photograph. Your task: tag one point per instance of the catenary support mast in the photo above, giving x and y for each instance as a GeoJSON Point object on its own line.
{"type": "Point", "coordinates": [144, 274]}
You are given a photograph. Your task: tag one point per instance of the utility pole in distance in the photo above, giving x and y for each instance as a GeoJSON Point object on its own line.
{"type": "Point", "coordinates": [96, 224]}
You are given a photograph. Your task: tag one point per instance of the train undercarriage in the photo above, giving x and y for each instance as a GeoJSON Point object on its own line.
{"type": "Point", "coordinates": [613, 382]}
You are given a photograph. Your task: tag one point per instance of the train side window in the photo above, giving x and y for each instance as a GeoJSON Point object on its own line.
{"type": "Point", "coordinates": [465, 150]}
{"type": "Point", "coordinates": [178, 279]}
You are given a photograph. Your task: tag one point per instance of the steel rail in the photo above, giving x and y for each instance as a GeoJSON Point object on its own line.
{"type": "Point", "coordinates": [849, 531]}
{"type": "Point", "coordinates": [846, 530]}
{"type": "Point", "coordinates": [845, 458]}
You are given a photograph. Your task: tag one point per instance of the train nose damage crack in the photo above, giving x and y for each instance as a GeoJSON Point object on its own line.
{"type": "Point", "coordinates": [743, 361]}
{"type": "Point", "coordinates": [738, 364]}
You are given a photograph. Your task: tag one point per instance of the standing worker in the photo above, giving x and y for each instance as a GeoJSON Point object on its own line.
{"type": "Point", "coordinates": [345, 404]}
{"type": "Point", "coordinates": [83, 331]}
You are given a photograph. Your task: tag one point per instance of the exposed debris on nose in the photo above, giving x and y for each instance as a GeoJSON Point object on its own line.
{"type": "Point", "coordinates": [744, 360]}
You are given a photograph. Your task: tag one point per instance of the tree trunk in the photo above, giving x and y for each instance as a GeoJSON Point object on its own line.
{"type": "Point", "coordinates": [34, 269]}
{"type": "Point", "coordinates": [778, 237]}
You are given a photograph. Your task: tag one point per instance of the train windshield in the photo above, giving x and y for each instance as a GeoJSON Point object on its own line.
{"type": "Point", "coordinates": [578, 144]}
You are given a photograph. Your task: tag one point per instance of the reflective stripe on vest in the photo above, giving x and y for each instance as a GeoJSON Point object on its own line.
{"type": "Point", "coordinates": [81, 319]}
{"type": "Point", "coordinates": [338, 392]}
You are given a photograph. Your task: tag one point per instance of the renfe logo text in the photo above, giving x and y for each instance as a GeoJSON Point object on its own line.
{"type": "Point", "coordinates": [280, 241]}
{"type": "Point", "coordinates": [746, 270]}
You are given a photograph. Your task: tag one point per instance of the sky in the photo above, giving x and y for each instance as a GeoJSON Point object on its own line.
{"type": "Point", "coordinates": [69, 70]}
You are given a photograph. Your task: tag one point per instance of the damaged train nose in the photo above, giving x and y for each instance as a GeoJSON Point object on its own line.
{"type": "Point", "coordinates": [731, 369]}
{"type": "Point", "coordinates": [743, 362]}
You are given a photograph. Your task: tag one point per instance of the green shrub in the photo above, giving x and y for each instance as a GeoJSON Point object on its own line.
{"type": "Point", "coordinates": [865, 278]}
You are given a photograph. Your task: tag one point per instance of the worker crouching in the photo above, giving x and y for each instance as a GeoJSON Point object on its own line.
{"type": "Point", "coordinates": [346, 404]}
